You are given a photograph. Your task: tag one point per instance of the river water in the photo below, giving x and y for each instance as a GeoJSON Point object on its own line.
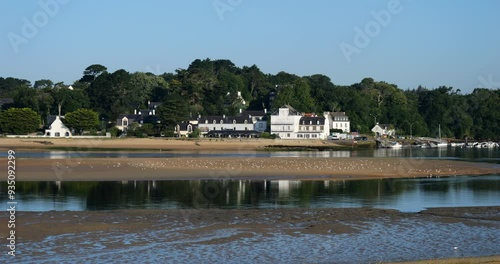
{"type": "Point", "coordinates": [407, 195]}
{"type": "Point", "coordinates": [377, 240]}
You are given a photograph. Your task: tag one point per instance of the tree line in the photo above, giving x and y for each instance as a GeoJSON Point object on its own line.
{"type": "Point", "coordinates": [210, 87]}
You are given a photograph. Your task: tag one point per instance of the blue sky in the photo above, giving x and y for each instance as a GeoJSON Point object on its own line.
{"type": "Point", "coordinates": [430, 43]}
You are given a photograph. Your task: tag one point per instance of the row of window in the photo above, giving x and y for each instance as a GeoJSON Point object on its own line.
{"type": "Point", "coordinates": [314, 128]}
{"type": "Point", "coordinates": [222, 122]}
{"type": "Point", "coordinates": [341, 125]}
{"type": "Point", "coordinates": [302, 135]}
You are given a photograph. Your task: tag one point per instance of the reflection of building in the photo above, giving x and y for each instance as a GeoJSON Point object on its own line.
{"type": "Point", "coordinates": [285, 187]}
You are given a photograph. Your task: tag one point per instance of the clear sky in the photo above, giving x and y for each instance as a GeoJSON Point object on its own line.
{"type": "Point", "coordinates": [410, 43]}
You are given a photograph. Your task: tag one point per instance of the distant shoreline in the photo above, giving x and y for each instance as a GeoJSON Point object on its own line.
{"type": "Point", "coordinates": [162, 144]}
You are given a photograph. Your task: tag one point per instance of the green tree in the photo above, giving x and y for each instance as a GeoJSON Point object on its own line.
{"type": "Point", "coordinates": [92, 72]}
{"type": "Point", "coordinates": [173, 111]}
{"type": "Point", "coordinates": [43, 84]}
{"type": "Point", "coordinates": [82, 119]}
{"type": "Point", "coordinates": [19, 121]}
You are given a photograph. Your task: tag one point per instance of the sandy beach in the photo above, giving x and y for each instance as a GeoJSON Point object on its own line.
{"type": "Point", "coordinates": [155, 144]}
{"type": "Point", "coordinates": [115, 169]}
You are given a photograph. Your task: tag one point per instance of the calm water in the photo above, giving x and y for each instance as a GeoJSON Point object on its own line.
{"type": "Point", "coordinates": [479, 155]}
{"type": "Point", "coordinates": [408, 195]}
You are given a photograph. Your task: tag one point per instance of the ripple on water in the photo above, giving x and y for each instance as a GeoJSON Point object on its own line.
{"type": "Point", "coordinates": [380, 240]}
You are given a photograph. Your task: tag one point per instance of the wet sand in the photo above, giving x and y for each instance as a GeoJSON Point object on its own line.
{"type": "Point", "coordinates": [116, 169]}
{"type": "Point", "coordinates": [116, 235]}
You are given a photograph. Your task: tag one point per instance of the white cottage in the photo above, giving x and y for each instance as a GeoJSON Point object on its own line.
{"type": "Point", "coordinates": [58, 129]}
{"type": "Point", "coordinates": [382, 130]}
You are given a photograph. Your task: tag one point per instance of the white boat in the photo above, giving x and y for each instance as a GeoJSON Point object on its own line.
{"type": "Point", "coordinates": [395, 144]}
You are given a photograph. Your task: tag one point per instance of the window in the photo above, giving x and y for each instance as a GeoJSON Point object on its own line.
{"type": "Point", "coordinates": [67, 134]}
{"type": "Point", "coordinates": [222, 121]}
{"type": "Point", "coordinates": [289, 128]}
{"type": "Point", "coordinates": [190, 129]}
{"type": "Point", "coordinates": [261, 125]}
{"type": "Point", "coordinates": [317, 122]}
{"type": "Point", "coordinates": [288, 135]}
{"type": "Point", "coordinates": [246, 122]}
{"type": "Point", "coordinates": [314, 128]}
{"type": "Point", "coordinates": [124, 122]}
{"type": "Point", "coordinates": [321, 128]}
{"type": "Point", "coordinates": [214, 128]}
{"type": "Point", "coordinates": [206, 121]}
{"type": "Point", "coordinates": [57, 134]}
{"type": "Point", "coordinates": [215, 122]}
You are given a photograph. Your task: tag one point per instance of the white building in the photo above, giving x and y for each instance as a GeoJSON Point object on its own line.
{"type": "Point", "coordinates": [58, 129]}
{"type": "Point", "coordinates": [382, 130]}
{"type": "Point", "coordinates": [313, 127]}
{"type": "Point", "coordinates": [339, 120]}
{"type": "Point", "coordinates": [288, 123]}
{"type": "Point", "coordinates": [285, 122]}
{"type": "Point", "coordinates": [245, 124]}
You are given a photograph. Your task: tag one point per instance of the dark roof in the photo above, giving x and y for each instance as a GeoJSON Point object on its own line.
{"type": "Point", "coordinates": [184, 126]}
{"type": "Point", "coordinates": [385, 126]}
{"type": "Point", "coordinates": [52, 118]}
{"type": "Point", "coordinates": [232, 133]}
{"type": "Point", "coordinates": [130, 117]}
{"type": "Point", "coordinates": [338, 113]}
{"type": "Point", "coordinates": [312, 120]}
{"type": "Point", "coordinates": [253, 113]}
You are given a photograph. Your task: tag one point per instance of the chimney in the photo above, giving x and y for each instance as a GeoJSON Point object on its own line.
{"type": "Point", "coordinates": [240, 110]}
{"type": "Point", "coordinates": [265, 111]}
{"type": "Point", "coordinates": [149, 102]}
{"type": "Point", "coordinates": [223, 116]}
{"type": "Point", "coordinates": [154, 112]}
{"type": "Point", "coordinates": [135, 111]}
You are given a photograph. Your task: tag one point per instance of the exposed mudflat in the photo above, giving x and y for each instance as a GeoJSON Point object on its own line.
{"type": "Point", "coordinates": [343, 235]}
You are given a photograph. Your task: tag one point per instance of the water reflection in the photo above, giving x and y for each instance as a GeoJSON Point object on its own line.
{"type": "Point", "coordinates": [401, 194]}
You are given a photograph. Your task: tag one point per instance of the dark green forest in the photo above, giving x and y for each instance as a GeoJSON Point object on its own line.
{"type": "Point", "coordinates": [210, 87]}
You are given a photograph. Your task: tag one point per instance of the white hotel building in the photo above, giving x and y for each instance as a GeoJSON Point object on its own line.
{"type": "Point", "coordinates": [288, 123]}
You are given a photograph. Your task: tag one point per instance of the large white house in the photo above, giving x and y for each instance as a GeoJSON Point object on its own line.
{"type": "Point", "coordinates": [339, 120]}
{"type": "Point", "coordinates": [57, 129]}
{"type": "Point", "coordinates": [285, 122]}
